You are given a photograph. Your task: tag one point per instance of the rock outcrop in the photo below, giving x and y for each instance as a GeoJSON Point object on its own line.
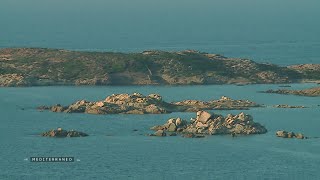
{"type": "Point", "coordinates": [60, 133]}
{"type": "Point", "coordinates": [137, 103]}
{"type": "Point", "coordinates": [213, 124]}
{"type": "Point", "coordinates": [285, 134]}
{"type": "Point", "coordinates": [306, 92]}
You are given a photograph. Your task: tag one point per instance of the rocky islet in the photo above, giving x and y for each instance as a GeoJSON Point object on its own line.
{"type": "Point", "coordinates": [286, 134]}
{"type": "Point", "coordinates": [138, 103]}
{"type": "Point", "coordinates": [211, 124]}
{"type": "Point", "coordinates": [61, 133]}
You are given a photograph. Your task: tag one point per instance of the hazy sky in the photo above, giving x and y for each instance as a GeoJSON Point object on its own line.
{"type": "Point", "coordinates": [24, 21]}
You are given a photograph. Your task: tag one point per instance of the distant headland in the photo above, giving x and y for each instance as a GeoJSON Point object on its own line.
{"type": "Point", "coordinates": [46, 67]}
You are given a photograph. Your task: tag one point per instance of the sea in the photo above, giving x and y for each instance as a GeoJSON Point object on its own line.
{"type": "Point", "coordinates": [281, 32]}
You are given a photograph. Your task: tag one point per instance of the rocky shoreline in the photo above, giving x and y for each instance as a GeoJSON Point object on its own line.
{"type": "Point", "coordinates": [46, 67]}
{"type": "Point", "coordinates": [137, 103]}
{"type": "Point", "coordinates": [210, 124]}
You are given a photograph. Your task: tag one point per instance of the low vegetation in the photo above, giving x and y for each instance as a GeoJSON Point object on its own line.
{"type": "Point", "coordinates": [39, 66]}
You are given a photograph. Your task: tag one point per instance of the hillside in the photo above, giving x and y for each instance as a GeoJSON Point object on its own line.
{"type": "Point", "coordinates": [40, 67]}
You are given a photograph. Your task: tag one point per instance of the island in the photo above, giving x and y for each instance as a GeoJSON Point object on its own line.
{"type": "Point", "coordinates": [210, 124]}
{"type": "Point", "coordinates": [45, 67]}
{"type": "Point", "coordinates": [138, 103]}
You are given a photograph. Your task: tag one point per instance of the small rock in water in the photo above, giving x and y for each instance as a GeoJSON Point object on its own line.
{"type": "Point", "coordinates": [59, 132]}
{"type": "Point", "coordinates": [285, 134]}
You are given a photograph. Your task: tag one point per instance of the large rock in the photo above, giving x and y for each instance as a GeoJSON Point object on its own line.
{"type": "Point", "coordinates": [203, 116]}
{"type": "Point", "coordinates": [160, 133]}
{"type": "Point", "coordinates": [172, 127]}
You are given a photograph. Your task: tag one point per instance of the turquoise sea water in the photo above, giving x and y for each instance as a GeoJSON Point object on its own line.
{"type": "Point", "coordinates": [114, 151]}
{"type": "Point", "coordinates": [281, 32]}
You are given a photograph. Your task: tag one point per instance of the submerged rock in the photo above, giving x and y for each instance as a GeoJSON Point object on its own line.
{"type": "Point", "coordinates": [287, 106]}
{"type": "Point", "coordinates": [192, 135]}
{"type": "Point", "coordinates": [42, 108]}
{"type": "Point", "coordinates": [213, 124]}
{"type": "Point", "coordinates": [63, 133]}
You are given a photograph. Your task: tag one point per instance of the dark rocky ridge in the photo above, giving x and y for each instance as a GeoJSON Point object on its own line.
{"type": "Point", "coordinates": [312, 92]}
{"type": "Point", "coordinates": [137, 103]}
{"type": "Point", "coordinates": [40, 67]}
